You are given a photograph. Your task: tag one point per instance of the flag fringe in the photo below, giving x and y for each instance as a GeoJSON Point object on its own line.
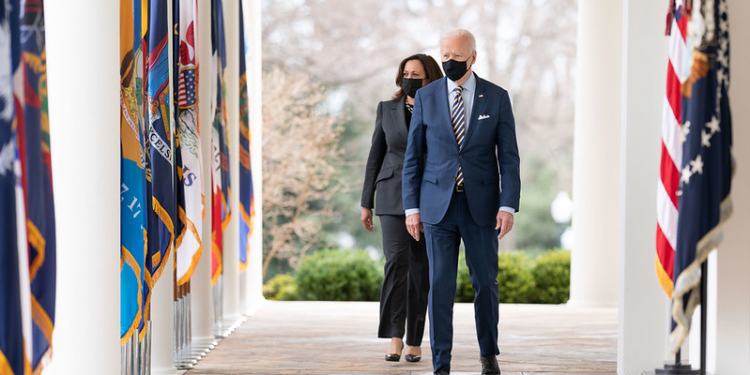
{"type": "Point", "coordinates": [42, 320]}
{"type": "Point", "coordinates": [44, 361]}
{"type": "Point", "coordinates": [37, 241]}
{"type": "Point", "coordinates": [664, 280]}
{"type": "Point", "coordinates": [690, 278]}
{"type": "Point", "coordinates": [5, 365]}
{"type": "Point", "coordinates": [164, 216]}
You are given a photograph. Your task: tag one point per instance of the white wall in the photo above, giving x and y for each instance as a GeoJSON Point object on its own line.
{"type": "Point", "coordinates": [733, 300]}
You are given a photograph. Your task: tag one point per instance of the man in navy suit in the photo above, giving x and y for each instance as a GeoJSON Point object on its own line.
{"type": "Point", "coordinates": [461, 182]}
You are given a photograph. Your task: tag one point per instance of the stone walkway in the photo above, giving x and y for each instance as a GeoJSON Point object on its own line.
{"type": "Point", "coordinates": [340, 338]}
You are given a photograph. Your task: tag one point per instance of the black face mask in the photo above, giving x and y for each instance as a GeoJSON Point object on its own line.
{"type": "Point", "coordinates": [411, 85]}
{"type": "Point", "coordinates": [454, 70]}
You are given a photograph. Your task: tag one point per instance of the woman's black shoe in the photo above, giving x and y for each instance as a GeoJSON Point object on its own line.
{"type": "Point", "coordinates": [412, 358]}
{"type": "Point", "coordinates": [393, 357]}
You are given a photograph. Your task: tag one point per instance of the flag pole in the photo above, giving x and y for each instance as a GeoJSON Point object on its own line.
{"type": "Point", "coordinates": [679, 368]}
{"type": "Point", "coordinates": [704, 314]}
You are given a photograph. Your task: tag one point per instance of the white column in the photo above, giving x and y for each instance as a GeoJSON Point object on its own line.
{"type": "Point", "coordinates": [733, 300]}
{"type": "Point", "coordinates": [162, 323]}
{"type": "Point", "coordinates": [231, 255]}
{"type": "Point", "coordinates": [643, 306]}
{"type": "Point", "coordinates": [84, 111]}
{"type": "Point", "coordinates": [596, 155]}
{"type": "Point", "coordinates": [200, 283]}
{"type": "Point", "coordinates": [253, 27]}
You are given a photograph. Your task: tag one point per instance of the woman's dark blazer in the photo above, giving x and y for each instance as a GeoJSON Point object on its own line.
{"type": "Point", "coordinates": [386, 160]}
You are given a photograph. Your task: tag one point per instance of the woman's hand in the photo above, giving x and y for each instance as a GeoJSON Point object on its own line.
{"type": "Point", "coordinates": [366, 218]}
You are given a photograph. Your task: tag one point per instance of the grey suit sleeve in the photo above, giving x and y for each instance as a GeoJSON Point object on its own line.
{"type": "Point", "coordinates": [374, 160]}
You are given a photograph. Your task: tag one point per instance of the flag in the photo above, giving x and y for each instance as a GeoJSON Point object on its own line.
{"type": "Point", "coordinates": [707, 162]}
{"type": "Point", "coordinates": [220, 189]}
{"type": "Point", "coordinates": [133, 202]}
{"type": "Point", "coordinates": [246, 176]}
{"type": "Point", "coordinates": [140, 57]}
{"type": "Point", "coordinates": [160, 138]}
{"type": "Point", "coordinates": [671, 153]}
{"type": "Point", "coordinates": [189, 247]}
{"type": "Point", "coordinates": [13, 359]}
{"type": "Point", "coordinates": [36, 169]}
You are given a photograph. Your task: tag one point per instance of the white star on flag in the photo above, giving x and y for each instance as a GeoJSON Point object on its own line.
{"type": "Point", "coordinates": [713, 125]}
{"type": "Point", "coordinates": [684, 132]}
{"type": "Point", "coordinates": [697, 165]}
{"type": "Point", "coordinates": [686, 174]}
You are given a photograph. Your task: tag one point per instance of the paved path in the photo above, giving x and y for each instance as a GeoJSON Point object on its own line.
{"type": "Point", "coordinates": [340, 338]}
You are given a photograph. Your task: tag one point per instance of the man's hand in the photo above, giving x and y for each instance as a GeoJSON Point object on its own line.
{"type": "Point", "coordinates": [414, 225]}
{"type": "Point", "coordinates": [366, 218]}
{"type": "Point", "coordinates": [504, 223]}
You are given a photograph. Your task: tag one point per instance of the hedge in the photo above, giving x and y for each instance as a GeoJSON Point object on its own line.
{"type": "Point", "coordinates": [339, 275]}
{"type": "Point", "coordinates": [342, 275]}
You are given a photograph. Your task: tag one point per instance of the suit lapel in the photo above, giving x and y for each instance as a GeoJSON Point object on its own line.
{"type": "Point", "coordinates": [398, 115]}
{"type": "Point", "coordinates": [477, 107]}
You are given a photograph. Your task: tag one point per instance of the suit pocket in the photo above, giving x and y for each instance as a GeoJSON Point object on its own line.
{"type": "Point", "coordinates": [430, 177]}
{"type": "Point", "coordinates": [384, 174]}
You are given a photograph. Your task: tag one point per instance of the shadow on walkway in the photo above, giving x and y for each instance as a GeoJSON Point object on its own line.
{"type": "Point", "coordinates": [341, 338]}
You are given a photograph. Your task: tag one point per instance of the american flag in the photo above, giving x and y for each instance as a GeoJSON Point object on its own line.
{"type": "Point", "coordinates": [707, 163]}
{"type": "Point", "coordinates": [186, 97]}
{"type": "Point", "coordinates": [671, 152]}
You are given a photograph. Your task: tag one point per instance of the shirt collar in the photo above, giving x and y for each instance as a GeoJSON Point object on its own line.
{"type": "Point", "coordinates": [470, 84]}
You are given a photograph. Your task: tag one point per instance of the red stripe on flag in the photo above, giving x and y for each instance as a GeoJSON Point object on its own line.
{"type": "Point", "coordinates": [670, 176]}
{"type": "Point", "coordinates": [665, 252]}
{"type": "Point", "coordinates": [674, 96]}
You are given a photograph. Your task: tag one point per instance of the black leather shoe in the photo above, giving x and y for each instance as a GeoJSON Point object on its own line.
{"type": "Point", "coordinates": [442, 372]}
{"type": "Point", "coordinates": [394, 357]}
{"type": "Point", "coordinates": [412, 358]}
{"type": "Point", "coordinates": [489, 365]}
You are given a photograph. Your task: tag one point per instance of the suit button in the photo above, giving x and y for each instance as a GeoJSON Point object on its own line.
{"type": "Point", "coordinates": [460, 157]}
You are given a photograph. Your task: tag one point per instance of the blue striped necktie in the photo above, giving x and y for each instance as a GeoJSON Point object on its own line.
{"type": "Point", "coordinates": [458, 117]}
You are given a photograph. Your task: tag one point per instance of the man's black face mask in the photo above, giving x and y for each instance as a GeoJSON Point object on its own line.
{"type": "Point", "coordinates": [454, 70]}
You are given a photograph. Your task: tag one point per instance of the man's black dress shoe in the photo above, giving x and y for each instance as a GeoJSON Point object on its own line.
{"type": "Point", "coordinates": [442, 372]}
{"type": "Point", "coordinates": [489, 365]}
{"type": "Point", "coordinates": [412, 358]}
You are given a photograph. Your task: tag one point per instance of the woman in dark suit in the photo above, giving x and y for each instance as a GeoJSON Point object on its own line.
{"type": "Point", "coordinates": [404, 295]}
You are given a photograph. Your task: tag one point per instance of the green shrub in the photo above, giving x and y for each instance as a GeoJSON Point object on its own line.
{"type": "Point", "coordinates": [281, 288]}
{"type": "Point", "coordinates": [514, 279]}
{"type": "Point", "coordinates": [339, 275]}
{"type": "Point", "coordinates": [552, 276]}
{"type": "Point", "coordinates": [464, 290]}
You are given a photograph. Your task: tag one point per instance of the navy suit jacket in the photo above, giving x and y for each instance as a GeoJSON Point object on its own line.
{"type": "Point", "coordinates": [489, 159]}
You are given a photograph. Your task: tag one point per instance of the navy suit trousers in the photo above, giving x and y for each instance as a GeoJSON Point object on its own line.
{"type": "Point", "coordinates": [480, 242]}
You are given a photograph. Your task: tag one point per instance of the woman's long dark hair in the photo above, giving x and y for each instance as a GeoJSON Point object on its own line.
{"type": "Point", "coordinates": [431, 68]}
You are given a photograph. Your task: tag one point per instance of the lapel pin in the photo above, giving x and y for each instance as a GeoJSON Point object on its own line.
{"type": "Point", "coordinates": [481, 95]}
